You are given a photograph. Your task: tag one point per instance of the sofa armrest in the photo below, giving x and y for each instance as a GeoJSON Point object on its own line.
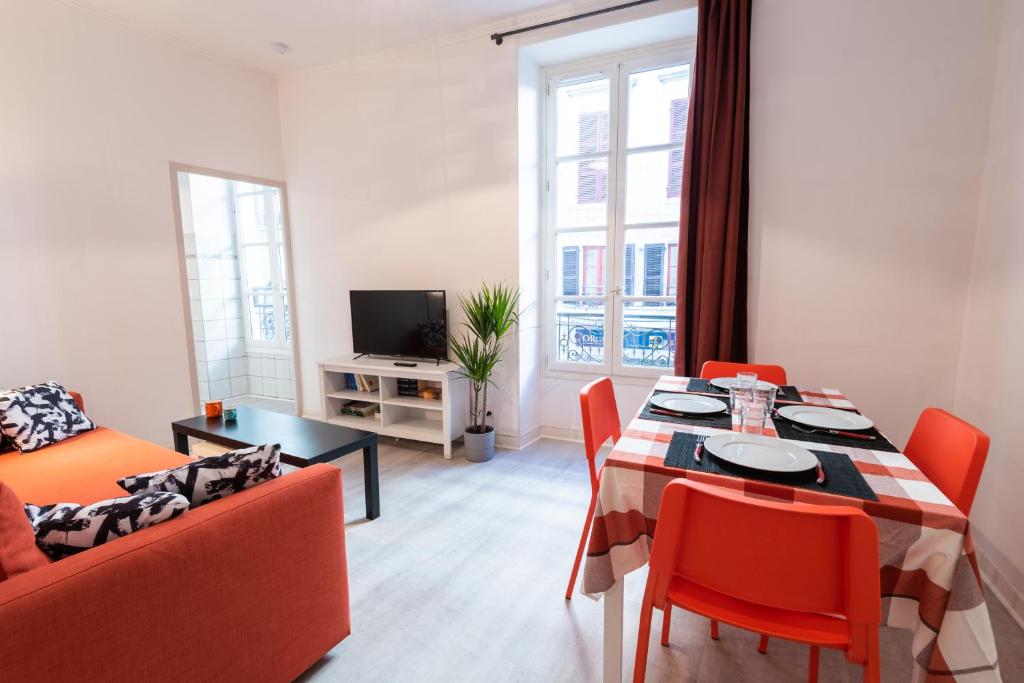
{"type": "Point", "coordinates": [251, 587]}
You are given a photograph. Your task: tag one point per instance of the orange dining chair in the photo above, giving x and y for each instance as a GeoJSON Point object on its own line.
{"type": "Point", "coordinates": [951, 453]}
{"type": "Point", "coordinates": [807, 573]}
{"type": "Point", "coordinates": [713, 369]}
{"type": "Point", "coordinates": [600, 422]}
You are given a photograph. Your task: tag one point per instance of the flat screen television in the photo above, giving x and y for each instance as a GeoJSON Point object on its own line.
{"type": "Point", "coordinates": [407, 323]}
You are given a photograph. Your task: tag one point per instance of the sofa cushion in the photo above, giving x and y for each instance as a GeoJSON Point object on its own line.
{"type": "Point", "coordinates": [63, 529]}
{"type": "Point", "coordinates": [84, 468]}
{"type": "Point", "coordinates": [18, 550]}
{"type": "Point", "coordinates": [212, 478]}
{"type": "Point", "coordinates": [36, 416]}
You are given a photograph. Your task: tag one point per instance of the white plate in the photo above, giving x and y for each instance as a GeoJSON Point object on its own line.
{"type": "Point", "coordinates": [826, 418]}
{"type": "Point", "coordinates": [761, 452]}
{"type": "Point", "coordinates": [728, 383]}
{"type": "Point", "coordinates": [689, 403]}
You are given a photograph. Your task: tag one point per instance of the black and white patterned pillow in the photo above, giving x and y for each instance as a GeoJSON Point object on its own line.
{"type": "Point", "coordinates": [64, 529]}
{"type": "Point", "coordinates": [212, 478]}
{"type": "Point", "coordinates": [37, 416]}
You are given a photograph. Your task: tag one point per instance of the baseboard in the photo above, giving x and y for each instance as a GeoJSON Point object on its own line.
{"type": "Point", "coordinates": [561, 434]}
{"type": "Point", "coordinates": [512, 442]}
{"type": "Point", "coordinates": [1000, 585]}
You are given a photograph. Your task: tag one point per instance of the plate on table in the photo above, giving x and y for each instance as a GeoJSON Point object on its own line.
{"type": "Point", "coordinates": [727, 383]}
{"type": "Point", "coordinates": [760, 452]}
{"type": "Point", "coordinates": [688, 403]}
{"type": "Point", "coordinates": [826, 418]}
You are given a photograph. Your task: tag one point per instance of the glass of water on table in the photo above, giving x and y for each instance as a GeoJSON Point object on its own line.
{"type": "Point", "coordinates": [741, 392]}
{"type": "Point", "coordinates": [757, 409]}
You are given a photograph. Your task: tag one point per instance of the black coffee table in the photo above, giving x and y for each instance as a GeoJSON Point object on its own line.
{"type": "Point", "coordinates": [303, 442]}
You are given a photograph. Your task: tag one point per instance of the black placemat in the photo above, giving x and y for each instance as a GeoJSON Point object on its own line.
{"type": "Point", "coordinates": [787, 430]}
{"type": "Point", "coordinates": [697, 385]}
{"type": "Point", "coordinates": [788, 392]}
{"type": "Point", "coordinates": [717, 421]}
{"type": "Point", "coordinates": [841, 476]}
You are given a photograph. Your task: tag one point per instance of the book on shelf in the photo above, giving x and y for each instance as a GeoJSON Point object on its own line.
{"type": "Point", "coordinates": [354, 382]}
{"type": "Point", "coordinates": [359, 408]}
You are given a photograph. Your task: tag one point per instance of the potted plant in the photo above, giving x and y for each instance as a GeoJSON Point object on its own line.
{"type": "Point", "coordinates": [490, 313]}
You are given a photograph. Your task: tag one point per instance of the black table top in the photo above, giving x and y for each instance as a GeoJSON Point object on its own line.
{"type": "Point", "coordinates": [300, 438]}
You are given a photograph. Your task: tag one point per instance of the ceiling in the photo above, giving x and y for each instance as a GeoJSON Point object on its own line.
{"type": "Point", "coordinates": [320, 32]}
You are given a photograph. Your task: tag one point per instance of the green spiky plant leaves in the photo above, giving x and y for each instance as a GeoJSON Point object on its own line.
{"type": "Point", "coordinates": [491, 313]}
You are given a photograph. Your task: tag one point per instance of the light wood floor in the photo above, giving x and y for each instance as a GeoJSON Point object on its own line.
{"type": "Point", "coordinates": [463, 575]}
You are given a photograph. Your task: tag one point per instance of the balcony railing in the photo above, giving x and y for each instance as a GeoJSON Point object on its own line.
{"type": "Point", "coordinates": [648, 340]}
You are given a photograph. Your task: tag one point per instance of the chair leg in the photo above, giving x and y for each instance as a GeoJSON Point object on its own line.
{"type": "Point", "coordinates": [582, 546]}
{"type": "Point", "coordinates": [666, 624]}
{"type": "Point", "coordinates": [812, 669]}
{"type": "Point", "coordinates": [643, 638]}
{"type": "Point", "coordinates": [714, 630]}
{"type": "Point", "coordinates": [762, 645]}
{"type": "Point", "coordinates": [873, 666]}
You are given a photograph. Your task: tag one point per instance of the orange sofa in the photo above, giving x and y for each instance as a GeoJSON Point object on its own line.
{"type": "Point", "coordinates": [253, 587]}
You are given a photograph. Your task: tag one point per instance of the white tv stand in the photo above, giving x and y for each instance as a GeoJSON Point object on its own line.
{"type": "Point", "coordinates": [420, 419]}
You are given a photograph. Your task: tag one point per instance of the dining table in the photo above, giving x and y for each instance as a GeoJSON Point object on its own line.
{"type": "Point", "coordinates": [929, 577]}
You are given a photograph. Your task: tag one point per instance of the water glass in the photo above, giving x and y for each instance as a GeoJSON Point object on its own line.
{"type": "Point", "coordinates": [765, 395]}
{"type": "Point", "coordinates": [738, 398]}
{"type": "Point", "coordinates": [753, 418]}
{"type": "Point", "coordinates": [746, 379]}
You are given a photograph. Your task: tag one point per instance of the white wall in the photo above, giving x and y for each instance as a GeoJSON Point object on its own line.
{"type": "Point", "coordinates": [92, 114]}
{"type": "Point", "coordinates": [868, 129]}
{"type": "Point", "coordinates": [991, 360]}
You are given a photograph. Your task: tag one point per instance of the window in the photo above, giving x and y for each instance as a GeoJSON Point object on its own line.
{"type": "Point", "coordinates": [259, 225]}
{"type": "Point", "coordinates": [613, 171]}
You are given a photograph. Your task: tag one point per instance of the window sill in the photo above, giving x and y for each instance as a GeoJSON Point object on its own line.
{"type": "Point", "coordinates": [639, 380]}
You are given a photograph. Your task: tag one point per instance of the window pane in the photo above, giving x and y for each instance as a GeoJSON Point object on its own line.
{"type": "Point", "coordinates": [582, 263]}
{"type": "Point", "coordinates": [581, 116]}
{"type": "Point", "coordinates": [579, 331]}
{"type": "Point", "coordinates": [252, 213]}
{"type": "Point", "coordinates": [652, 257]}
{"type": "Point", "coordinates": [261, 315]}
{"type": "Point", "coordinates": [282, 265]}
{"type": "Point", "coordinates": [658, 101]}
{"type": "Point", "coordinates": [257, 268]}
{"type": "Point", "coordinates": [652, 190]}
{"type": "Point", "coordinates": [287, 317]}
{"type": "Point", "coordinates": [581, 189]}
{"type": "Point", "coordinates": [648, 334]}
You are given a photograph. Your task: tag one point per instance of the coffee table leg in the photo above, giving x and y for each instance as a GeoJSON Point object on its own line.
{"type": "Point", "coordinates": [181, 443]}
{"type": "Point", "coordinates": [371, 483]}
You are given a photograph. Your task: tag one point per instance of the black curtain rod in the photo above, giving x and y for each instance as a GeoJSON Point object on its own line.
{"type": "Point", "coordinates": [499, 38]}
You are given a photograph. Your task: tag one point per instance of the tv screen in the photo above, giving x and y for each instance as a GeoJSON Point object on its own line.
{"type": "Point", "coordinates": [400, 323]}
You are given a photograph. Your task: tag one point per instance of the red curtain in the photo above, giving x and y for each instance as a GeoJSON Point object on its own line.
{"type": "Point", "coordinates": [711, 305]}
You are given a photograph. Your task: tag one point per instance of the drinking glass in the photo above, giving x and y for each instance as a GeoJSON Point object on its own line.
{"type": "Point", "coordinates": [738, 398]}
{"type": "Point", "coordinates": [746, 379]}
{"type": "Point", "coordinates": [765, 395]}
{"type": "Point", "coordinates": [752, 420]}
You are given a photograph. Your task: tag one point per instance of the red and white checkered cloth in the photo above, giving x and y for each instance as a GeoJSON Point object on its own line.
{"type": "Point", "coordinates": [930, 580]}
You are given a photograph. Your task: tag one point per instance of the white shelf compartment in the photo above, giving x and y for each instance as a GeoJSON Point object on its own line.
{"type": "Point", "coordinates": [349, 395]}
{"type": "Point", "coordinates": [369, 424]}
{"type": "Point", "coordinates": [415, 402]}
{"type": "Point", "coordinates": [416, 428]}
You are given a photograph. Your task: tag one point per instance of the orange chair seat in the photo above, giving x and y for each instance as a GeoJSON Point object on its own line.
{"type": "Point", "coordinates": [83, 469]}
{"type": "Point", "coordinates": [804, 627]}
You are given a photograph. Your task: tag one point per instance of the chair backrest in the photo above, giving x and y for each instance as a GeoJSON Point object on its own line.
{"type": "Point", "coordinates": [600, 415]}
{"type": "Point", "coordinates": [796, 556]}
{"type": "Point", "coordinates": [713, 369]}
{"type": "Point", "coordinates": [951, 453]}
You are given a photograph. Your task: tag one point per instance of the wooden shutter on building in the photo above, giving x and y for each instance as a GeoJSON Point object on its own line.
{"type": "Point", "coordinates": [630, 258]}
{"type": "Point", "coordinates": [654, 262]}
{"type": "Point", "coordinates": [570, 271]}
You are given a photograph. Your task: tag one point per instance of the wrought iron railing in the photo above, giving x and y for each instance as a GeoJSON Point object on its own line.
{"type": "Point", "coordinates": [647, 339]}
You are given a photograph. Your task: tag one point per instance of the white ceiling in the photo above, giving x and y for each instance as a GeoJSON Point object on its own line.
{"type": "Point", "coordinates": [320, 32]}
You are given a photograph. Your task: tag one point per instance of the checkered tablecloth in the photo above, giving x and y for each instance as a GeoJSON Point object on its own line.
{"type": "Point", "coordinates": [929, 576]}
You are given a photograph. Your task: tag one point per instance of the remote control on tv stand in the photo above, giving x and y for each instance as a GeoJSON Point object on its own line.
{"type": "Point", "coordinates": [405, 364]}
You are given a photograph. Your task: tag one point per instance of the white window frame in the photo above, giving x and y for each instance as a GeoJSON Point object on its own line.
{"type": "Point", "coordinates": [617, 67]}
{"type": "Point", "coordinates": [276, 254]}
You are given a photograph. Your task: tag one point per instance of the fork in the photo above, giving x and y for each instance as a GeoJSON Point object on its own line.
{"type": "Point", "coordinates": [821, 472]}
{"type": "Point", "coordinates": [698, 449]}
